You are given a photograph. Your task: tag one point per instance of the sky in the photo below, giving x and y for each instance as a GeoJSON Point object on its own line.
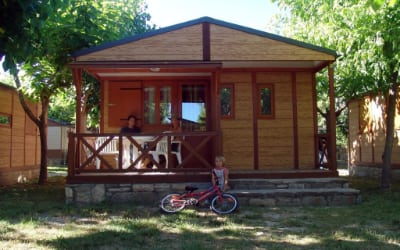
{"type": "Point", "coordinates": [249, 13]}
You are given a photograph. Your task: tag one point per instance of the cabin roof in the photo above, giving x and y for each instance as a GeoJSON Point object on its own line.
{"type": "Point", "coordinates": [198, 46]}
{"type": "Point", "coordinates": [199, 21]}
{"type": "Point", "coordinates": [55, 123]}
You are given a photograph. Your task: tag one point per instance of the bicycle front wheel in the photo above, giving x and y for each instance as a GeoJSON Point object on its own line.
{"type": "Point", "coordinates": [172, 203]}
{"type": "Point", "coordinates": [225, 204]}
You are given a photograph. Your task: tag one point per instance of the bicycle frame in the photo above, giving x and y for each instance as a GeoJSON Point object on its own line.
{"type": "Point", "coordinates": [202, 195]}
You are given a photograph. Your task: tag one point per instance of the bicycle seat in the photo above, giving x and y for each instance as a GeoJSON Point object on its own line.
{"type": "Point", "coordinates": [191, 188]}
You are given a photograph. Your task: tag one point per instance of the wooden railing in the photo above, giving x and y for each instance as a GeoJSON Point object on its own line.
{"type": "Point", "coordinates": [124, 153]}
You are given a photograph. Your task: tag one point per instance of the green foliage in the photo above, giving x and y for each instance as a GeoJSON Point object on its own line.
{"type": "Point", "coordinates": [62, 106]}
{"type": "Point", "coordinates": [226, 99]}
{"type": "Point", "coordinates": [39, 37]}
{"type": "Point", "coordinates": [364, 32]}
{"type": "Point", "coordinates": [4, 119]}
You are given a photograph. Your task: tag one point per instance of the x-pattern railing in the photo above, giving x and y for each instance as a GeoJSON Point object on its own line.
{"type": "Point", "coordinates": [87, 153]}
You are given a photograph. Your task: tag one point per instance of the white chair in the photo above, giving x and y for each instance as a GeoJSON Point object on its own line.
{"type": "Point", "coordinates": [111, 149]}
{"type": "Point", "coordinates": [129, 153]}
{"type": "Point", "coordinates": [177, 150]}
{"type": "Point", "coordinates": [162, 149]}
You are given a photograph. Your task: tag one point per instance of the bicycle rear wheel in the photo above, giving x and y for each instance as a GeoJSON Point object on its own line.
{"type": "Point", "coordinates": [226, 204]}
{"type": "Point", "coordinates": [172, 203]}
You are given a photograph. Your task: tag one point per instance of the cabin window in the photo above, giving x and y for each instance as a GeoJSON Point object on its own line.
{"type": "Point", "coordinates": [227, 97]}
{"type": "Point", "coordinates": [5, 120]}
{"type": "Point", "coordinates": [265, 101]}
{"type": "Point", "coordinates": [165, 104]}
{"type": "Point", "coordinates": [193, 107]}
{"type": "Point", "coordinates": [157, 104]}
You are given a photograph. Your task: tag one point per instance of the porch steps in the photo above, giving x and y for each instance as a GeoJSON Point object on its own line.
{"type": "Point", "coordinates": [294, 192]}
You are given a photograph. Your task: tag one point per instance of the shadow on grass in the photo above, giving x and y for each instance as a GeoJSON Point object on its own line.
{"type": "Point", "coordinates": [136, 235]}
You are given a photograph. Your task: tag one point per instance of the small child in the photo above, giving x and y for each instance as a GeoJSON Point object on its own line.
{"type": "Point", "coordinates": [220, 173]}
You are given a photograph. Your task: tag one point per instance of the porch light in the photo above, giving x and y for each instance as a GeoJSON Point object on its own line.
{"type": "Point", "coordinates": [155, 69]}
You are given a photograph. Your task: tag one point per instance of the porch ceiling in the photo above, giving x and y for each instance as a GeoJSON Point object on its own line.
{"type": "Point", "coordinates": [188, 68]}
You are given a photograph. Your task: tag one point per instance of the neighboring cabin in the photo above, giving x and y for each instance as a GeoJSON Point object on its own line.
{"type": "Point", "coordinates": [367, 134]}
{"type": "Point", "coordinates": [57, 141]}
{"type": "Point", "coordinates": [19, 139]}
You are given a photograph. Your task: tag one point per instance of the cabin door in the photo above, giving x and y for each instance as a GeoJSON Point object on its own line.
{"type": "Point", "coordinates": [124, 99]}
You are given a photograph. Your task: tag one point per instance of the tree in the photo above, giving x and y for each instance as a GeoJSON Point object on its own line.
{"type": "Point", "coordinates": [37, 37]}
{"type": "Point", "coordinates": [365, 33]}
{"type": "Point", "coordinates": [62, 106]}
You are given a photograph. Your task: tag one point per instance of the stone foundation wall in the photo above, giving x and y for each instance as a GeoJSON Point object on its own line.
{"type": "Point", "coordinates": [143, 194]}
{"type": "Point", "coordinates": [260, 192]}
{"type": "Point", "coordinates": [371, 172]}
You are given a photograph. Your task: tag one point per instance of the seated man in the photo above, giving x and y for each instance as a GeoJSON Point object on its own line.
{"type": "Point", "coordinates": [130, 128]}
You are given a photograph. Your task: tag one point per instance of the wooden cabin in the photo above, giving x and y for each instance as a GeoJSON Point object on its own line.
{"type": "Point", "coordinates": [19, 143]}
{"type": "Point", "coordinates": [240, 92]}
{"type": "Point", "coordinates": [57, 141]}
{"type": "Point", "coordinates": [367, 134]}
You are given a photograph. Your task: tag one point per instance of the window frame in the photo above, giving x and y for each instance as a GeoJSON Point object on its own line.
{"type": "Point", "coordinates": [230, 86]}
{"type": "Point", "coordinates": [261, 86]}
{"type": "Point", "coordinates": [9, 124]}
{"type": "Point", "coordinates": [157, 86]}
{"type": "Point", "coordinates": [192, 82]}
{"type": "Point", "coordinates": [176, 86]}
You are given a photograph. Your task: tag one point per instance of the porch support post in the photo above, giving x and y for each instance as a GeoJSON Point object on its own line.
{"type": "Point", "coordinates": [331, 122]}
{"type": "Point", "coordinates": [255, 121]}
{"type": "Point", "coordinates": [77, 73]}
{"type": "Point", "coordinates": [216, 111]}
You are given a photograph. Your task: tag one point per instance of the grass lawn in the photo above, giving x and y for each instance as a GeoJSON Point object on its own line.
{"type": "Point", "coordinates": [36, 217]}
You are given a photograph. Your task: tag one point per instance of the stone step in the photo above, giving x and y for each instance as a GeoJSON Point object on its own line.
{"type": "Point", "coordinates": [306, 183]}
{"type": "Point", "coordinates": [298, 197]}
{"type": "Point", "coordinates": [253, 192]}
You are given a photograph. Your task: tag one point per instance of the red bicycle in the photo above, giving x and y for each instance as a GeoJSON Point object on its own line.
{"type": "Point", "coordinates": [221, 203]}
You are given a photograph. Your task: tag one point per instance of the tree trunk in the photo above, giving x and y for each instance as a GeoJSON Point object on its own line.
{"type": "Point", "coordinates": [387, 153]}
{"type": "Point", "coordinates": [83, 124]}
{"type": "Point", "coordinates": [43, 140]}
{"type": "Point", "coordinates": [41, 123]}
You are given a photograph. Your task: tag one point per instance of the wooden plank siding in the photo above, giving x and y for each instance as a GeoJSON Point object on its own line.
{"type": "Point", "coordinates": [230, 44]}
{"type": "Point", "coordinates": [237, 136]}
{"type": "Point", "coordinates": [18, 137]}
{"type": "Point", "coordinates": [354, 138]}
{"type": "Point", "coordinates": [19, 144]}
{"type": "Point", "coordinates": [275, 136]}
{"type": "Point", "coordinates": [104, 102]}
{"type": "Point", "coordinates": [182, 44]}
{"type": "Point", "coordinates": [5, 147]}
{"type": "Point", "coordinates": [276, 144]}
{"type": "Point", "coordinates": [6, 102]}
{"type": "Point", "coordinates": [225, 44]}
{"type": "Point", "coordinates": [305, 119]}
{"type": "Point", "coordinates": [367, 132]}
